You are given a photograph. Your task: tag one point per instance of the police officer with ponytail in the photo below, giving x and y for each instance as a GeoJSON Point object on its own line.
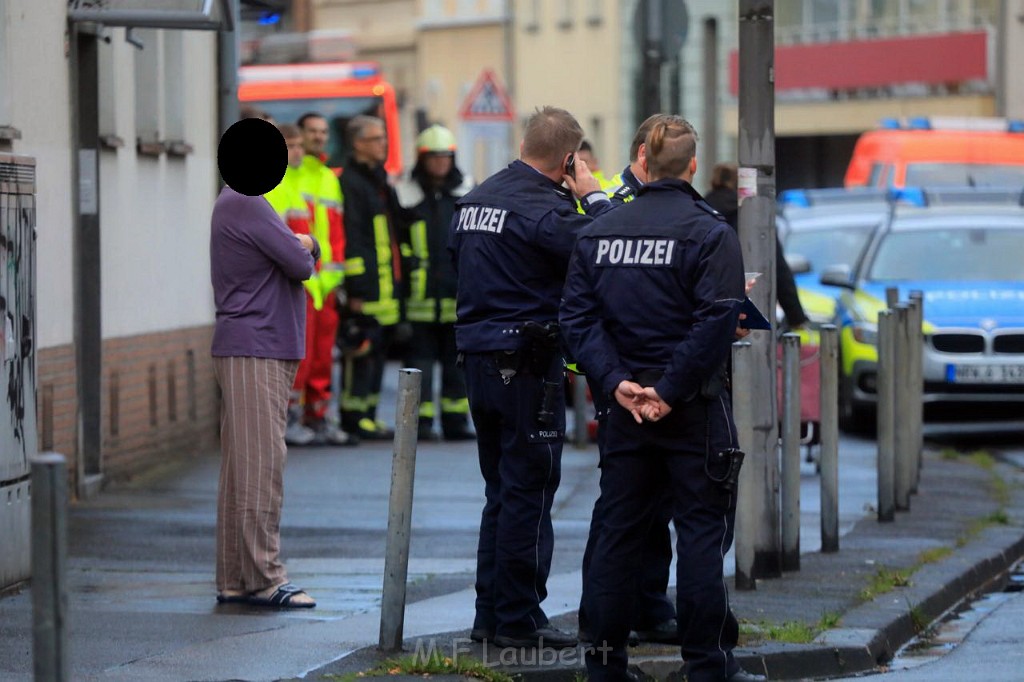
{"type": "Point", "coordinates": [649, 311]}
{"type": "Point", "coordinates": [511, 238]}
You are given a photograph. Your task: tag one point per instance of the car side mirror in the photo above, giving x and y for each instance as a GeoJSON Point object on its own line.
{"type": "Point", "coordinates": [837, 276]}
{"type": "Point", "coordinates": [798, 264]}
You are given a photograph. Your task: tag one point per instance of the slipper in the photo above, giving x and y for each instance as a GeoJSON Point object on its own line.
{"type": "Point", "coordinates": [232, 598]}
{"type": "Point", "coordinates": [282, 598]}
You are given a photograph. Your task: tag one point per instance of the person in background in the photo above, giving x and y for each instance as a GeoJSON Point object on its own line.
{"type": "Point", "coordinates": [434, 186]}
{"type": "Point", "coordinates": [257, 267]}
{"type": "Point", "coordinates": [374, 221]}
{"type": "Point", "coordinates": [724, 199]}
{"type": "Point", "coordinates": [586, 154]}
{"type": "Point", "coordinates": [319, 187]}
{"type": "Point", "coordinates": [511, 238]}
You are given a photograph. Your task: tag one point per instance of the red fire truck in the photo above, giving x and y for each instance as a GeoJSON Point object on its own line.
{"type": "Point", "coordinates": [338, 90]}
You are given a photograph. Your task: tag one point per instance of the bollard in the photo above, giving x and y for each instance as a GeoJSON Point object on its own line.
{"type": "Point", "coordinates": [886, 417]}
{"type": "Point", "coordinates": [49, 567]}
{"type": "Point", "coordinates": [791, 452]}
{"type": "Point", "coordinates": [403, 473]}
{"type": "Point", "coordinates": [748, 501]}
{"type": "Point", "coordinates": [829, 438]}
{"type": "Point", "coordinates": [917, 383]}
{"type": "Point", "coordinates": [892, 297]}
{"type": "Point", "coordinates": [901, 435]}
{"type": "Point", "coordinates": [579, 408]}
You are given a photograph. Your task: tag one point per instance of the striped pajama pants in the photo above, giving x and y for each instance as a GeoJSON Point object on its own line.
{"type": "Point", "coordinates": [254, 404]}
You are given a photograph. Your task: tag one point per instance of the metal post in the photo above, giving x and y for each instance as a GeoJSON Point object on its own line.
{"type": "Point", "coordinates": [904, 374]}
{"type": "Point", "coordinates": [49, 567]}
{"type": "Point", "coordinates": [748, 500]}
{"type": "Point", "coordinates": [709, 132]}
{"type": "Point", "coordinates": [829, 351]}
{"type": "Point", "coordinates": [892, 297]}
{"type": "Point", "coordinates": [579, 408]}
{"type": "Point", "coordinates": [791, 453]}
{"type": "Point", "coordinates": [403, 473]}
{"type": "Point", "coordinates": [756, 151]}
{"type": "Point", "coordinates": [886, 417]}
{"type": "Point", "coordinates": [917, 384]}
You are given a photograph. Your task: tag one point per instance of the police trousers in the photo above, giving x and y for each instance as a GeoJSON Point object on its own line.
{"type": "Point", "coordinates": [652, 605]}
{"type": "Point", "coordinates": [521, 463]}
{"type": "Point", "coordinates": [632, 484]}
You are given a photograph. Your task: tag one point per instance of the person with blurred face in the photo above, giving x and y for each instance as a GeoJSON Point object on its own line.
{"type": "Point", "coordinates": [436, 183]}
{"type": "Point", "coordinates": [373, 219]}
{"type": "Point", "coordinates": [322, 193]}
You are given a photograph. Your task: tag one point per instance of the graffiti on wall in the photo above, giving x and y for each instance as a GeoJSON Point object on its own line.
{"type": "Point", "coordinates": [17, 312]}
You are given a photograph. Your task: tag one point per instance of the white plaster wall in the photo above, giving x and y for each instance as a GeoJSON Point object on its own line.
{"type": "Point", "coordinates": [37, 80]}
{"type": "Point", "coordinates": [156, 211]}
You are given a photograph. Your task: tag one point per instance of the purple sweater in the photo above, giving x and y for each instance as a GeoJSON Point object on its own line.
{"type": "Point", "coordinates": [257, 267]}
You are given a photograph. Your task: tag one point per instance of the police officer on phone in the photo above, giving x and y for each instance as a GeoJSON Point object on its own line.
{"type": "Point", "coordinates": [511, 239]}
{"type": "Point", "coordinates": [671, 419]}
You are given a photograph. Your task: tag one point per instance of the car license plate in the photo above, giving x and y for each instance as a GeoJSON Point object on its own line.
{"type": "Point", "coordinates": [985, 374]}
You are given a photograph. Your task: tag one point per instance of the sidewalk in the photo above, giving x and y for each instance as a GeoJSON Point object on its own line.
{"type": "Point", "coordinates": [949, 544]}
{"type": "Point", "coordinates": [140, 584]}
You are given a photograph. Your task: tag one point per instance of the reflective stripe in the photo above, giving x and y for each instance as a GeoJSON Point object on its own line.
{"type": "Point", "coordinates": [448, 314]}
{"type": "Point", "coordinates": [355, 266]}
{"type": "Point", "coordinates": [457, 406]}
{"type": "Point", "coordinates": [418, 276]}
{"type": "Point", "coordinates": [427, 410]}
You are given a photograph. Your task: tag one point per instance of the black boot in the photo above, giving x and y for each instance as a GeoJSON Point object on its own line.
{"type": "Point", "coordinates": [425, 431]}
{"type": "Point", "coordinates": [456, 427]}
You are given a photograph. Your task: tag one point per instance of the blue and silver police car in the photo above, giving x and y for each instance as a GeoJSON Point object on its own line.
{"type": "Point", "coordinates": [964, 250]}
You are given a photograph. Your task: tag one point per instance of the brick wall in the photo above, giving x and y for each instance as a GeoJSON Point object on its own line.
{"type": "Point", "coordinates": [160, 400]}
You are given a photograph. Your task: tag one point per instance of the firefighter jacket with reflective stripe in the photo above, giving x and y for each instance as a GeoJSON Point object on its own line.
{"type": "Point", "coordinates": [373, 222]}
{"type": "Point", "coordinates": [320, 188]}
{"type": "Point", "coordinates": [429, 272]}
{"type": "Point", "coordinates": [289, 203]}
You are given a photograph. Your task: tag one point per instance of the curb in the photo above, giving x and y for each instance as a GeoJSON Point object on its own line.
{"type": "Point", "coordinates": [875, 630]}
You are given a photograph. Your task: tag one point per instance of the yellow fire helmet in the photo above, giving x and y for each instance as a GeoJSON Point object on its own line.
{"type": "Point", "coordinates": [436, 139]}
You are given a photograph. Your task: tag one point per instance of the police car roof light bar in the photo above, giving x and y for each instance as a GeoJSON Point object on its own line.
{"type": "Point", "coordinates": [985, 124]}
{"type": "Point", "coordinates": [938, 196]}
{"type": "Point", "coordinates": [805, 198]}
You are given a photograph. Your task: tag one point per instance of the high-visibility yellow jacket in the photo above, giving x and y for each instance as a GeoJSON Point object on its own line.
{"type": "Point", "coordinates": [289, 203]}
{"type": "Point", "coordinates": [322, 192]}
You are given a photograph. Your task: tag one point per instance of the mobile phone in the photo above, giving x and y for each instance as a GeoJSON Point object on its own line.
{"type": "Point", "coordinates": [570, 166]}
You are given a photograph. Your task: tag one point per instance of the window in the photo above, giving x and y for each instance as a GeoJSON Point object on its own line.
{"type": "Point", "coordinates": [595, 12]}
{"type": "Point", "coordinates": [7, 131]}
{"type": "Point", "coordinates": [566, 15]}
{"type": "Point", "coordinates": [174, 92]}
{"type": "Point", "coordinates": [108, 99]}
{"type": "Point", "coordinates": [148, 94]}
{"type": "Point", "coordinates": [532, 16]}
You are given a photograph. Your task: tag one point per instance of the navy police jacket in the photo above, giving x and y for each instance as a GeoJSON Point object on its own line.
{"type": "Point", "coordinates": [656, 285]}
{"type": "Point", "coordinates": [511, 239]}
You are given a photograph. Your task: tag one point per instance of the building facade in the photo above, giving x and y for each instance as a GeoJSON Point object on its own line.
{"type": "Point", "coordinates": [135, 197]}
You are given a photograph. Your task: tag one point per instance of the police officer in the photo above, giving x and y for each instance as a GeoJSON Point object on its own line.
{"type": "Point", "coordinates": [511, 238]}
{"type": "Point", "coordinates": [671, 419]}
{"type": "Point", "coordinates": [654, 615]}
{"type": "Point", "coordinates": [434, 186]}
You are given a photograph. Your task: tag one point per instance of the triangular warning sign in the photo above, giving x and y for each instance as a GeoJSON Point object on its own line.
{"type": "Point", "coordinates": [487, 101]}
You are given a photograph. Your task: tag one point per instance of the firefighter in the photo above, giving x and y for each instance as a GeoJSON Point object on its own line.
{"type": "Point", "coordinates": [320, 188]}
{"type": "Point", "coordinates": [434, 186]}
{"type": "Point", "coordinates": [670, 421]}
{"type": "Point", "coordinates": [289, 203]}
{"type": "Point", "coordinates": [373, 221]}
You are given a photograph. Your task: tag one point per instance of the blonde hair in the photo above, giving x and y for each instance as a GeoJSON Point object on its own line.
{"type": "Point", "coordinates": [671, 146]}
{"type": "Point", "coordinates": [550, 134]}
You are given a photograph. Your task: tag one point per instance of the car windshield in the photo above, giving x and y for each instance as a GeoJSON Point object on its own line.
{"type": "Point", "coordinates": [961, 174]}
{"type": "Point", "coordinates": [337, 110]}
{"type": "Point", "coordinates": [956, 253]}
{"type": "Point", "coordinates": [834, 246]}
